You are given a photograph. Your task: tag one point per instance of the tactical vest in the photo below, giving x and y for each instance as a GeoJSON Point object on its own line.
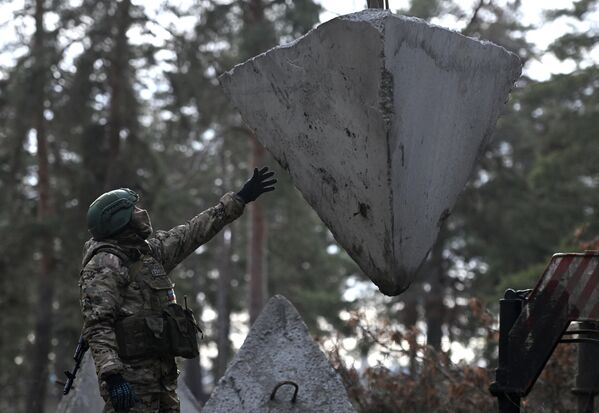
{"type": "Point", "coordinates": [162, 327]}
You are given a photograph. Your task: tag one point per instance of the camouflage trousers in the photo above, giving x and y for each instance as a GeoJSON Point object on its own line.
{"type": "Point", "coordinates": [154, 381]}
{"type": "Point", "coordinates": [165, 402]}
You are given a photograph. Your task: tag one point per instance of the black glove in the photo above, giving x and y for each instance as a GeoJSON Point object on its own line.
{"type": "Point", "coordinates": [257, 185]}
{"type": "Point", "coordinates": [122, 395]}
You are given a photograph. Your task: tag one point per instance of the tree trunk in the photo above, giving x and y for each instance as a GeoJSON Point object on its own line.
{"type": "Point", "coordinates": [223, 293]}
{"type": "Point", "coordinates": [257, 38]}
{"type": "Point", "coordinates": [117, 78]}
{"type": "Point", "coordinates": [434, 308]}
{"type": "Point", "coordinates": [410, 318]}
{"type": "Point", "coordinates": [223, 304]}
{"type": "Point", "coordinates": [194, 373]}
{"type": "Point", "coordinates": [433, 304]}
{"type": "Point", "coordinates": [43, 324]}
{"type": "Point", "coordinates": [257, 244]}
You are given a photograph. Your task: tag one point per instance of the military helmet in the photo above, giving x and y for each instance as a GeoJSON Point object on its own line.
{"type": "Point", "coordinates": [111, 212]}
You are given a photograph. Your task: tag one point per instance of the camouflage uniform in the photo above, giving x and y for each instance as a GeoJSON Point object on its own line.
{"type": "Point", "coordinates": [108, 294]}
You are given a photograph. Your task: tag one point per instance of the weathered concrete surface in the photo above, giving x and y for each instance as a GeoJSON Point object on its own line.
{"type": "Point", "coordinates": [279, 348]}
{"type": "Point", "coordinates": [379, 120]}
{"type": "Point", "coordinates": [85, 395]}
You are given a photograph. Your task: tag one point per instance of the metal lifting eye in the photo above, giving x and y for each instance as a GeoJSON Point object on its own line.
{"type": "Point", "coordinates": [378, 4]}
{"type": "Point", "coordinates": [274, 391]}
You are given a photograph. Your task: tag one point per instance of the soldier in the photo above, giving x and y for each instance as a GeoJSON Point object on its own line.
{"type": "Point", "coordinates": [131, 319]}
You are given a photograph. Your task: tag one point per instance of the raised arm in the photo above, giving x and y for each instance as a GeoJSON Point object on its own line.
{"type": "Point", "coordinates": [175, 245]}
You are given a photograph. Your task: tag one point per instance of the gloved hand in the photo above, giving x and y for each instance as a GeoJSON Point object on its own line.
{"type": "Point", "coordinates": [122, 395]}
{"type": "Point", "coordinates": [257, 185]}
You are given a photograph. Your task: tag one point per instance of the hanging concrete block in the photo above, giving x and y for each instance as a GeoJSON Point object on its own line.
{"type": "Point", "coordinates": [279, 352]}
{"type": "Point", "coordinates": [85, 395]}
{"type": "Point", "coordinates": [379, 120]}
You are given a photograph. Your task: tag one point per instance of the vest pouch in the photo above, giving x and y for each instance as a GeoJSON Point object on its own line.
{"type": "Point", "coordinates": [161, 292]}
{"type": "Point", "coordinates": [182, 331]}
{"type": "Point", "coordinates": [141, 335]}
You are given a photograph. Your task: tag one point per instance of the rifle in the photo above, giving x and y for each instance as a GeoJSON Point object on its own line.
{"type": "Point", "coordinates": [82, 347]}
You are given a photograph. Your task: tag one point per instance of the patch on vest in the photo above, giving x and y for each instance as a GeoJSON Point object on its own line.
{"type": "Point", "coordinates": [172, 298]}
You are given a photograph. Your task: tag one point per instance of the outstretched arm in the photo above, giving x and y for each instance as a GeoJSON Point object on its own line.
{"type": "Point", "coordinates": [175, 245]}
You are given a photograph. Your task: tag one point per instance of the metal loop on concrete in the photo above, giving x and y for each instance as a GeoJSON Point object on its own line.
{"type": "Point", "coordinates": [274, 391]}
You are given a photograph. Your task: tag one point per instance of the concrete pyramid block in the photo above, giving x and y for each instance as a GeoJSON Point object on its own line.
{"type": "Point", "coordinates": [379, 120]}
{"type": "Point", "coordinates": [85, 394]}
{"type": "Point", "coordinates": [279, 351]}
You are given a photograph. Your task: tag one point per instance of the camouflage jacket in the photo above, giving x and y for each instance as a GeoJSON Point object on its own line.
{"type": "Point", "coordinates": [108, 294]}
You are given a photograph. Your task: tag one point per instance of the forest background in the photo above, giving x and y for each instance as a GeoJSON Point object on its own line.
{"type": "Point", "coordinates": [98, 94]}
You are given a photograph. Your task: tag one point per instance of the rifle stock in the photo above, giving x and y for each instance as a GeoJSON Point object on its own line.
{"type": "Point", "coordinates": [82, 347]}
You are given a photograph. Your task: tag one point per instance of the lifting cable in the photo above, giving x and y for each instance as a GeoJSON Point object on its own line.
{"type": "Point", "coordinates": [378, 4]}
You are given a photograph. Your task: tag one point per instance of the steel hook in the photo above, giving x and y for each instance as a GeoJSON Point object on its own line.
{"type": "Point", "coordinates": [274, 391]}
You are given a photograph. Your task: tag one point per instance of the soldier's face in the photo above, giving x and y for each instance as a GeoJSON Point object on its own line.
{"type": "Point", "coordinates": [140, 222]}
